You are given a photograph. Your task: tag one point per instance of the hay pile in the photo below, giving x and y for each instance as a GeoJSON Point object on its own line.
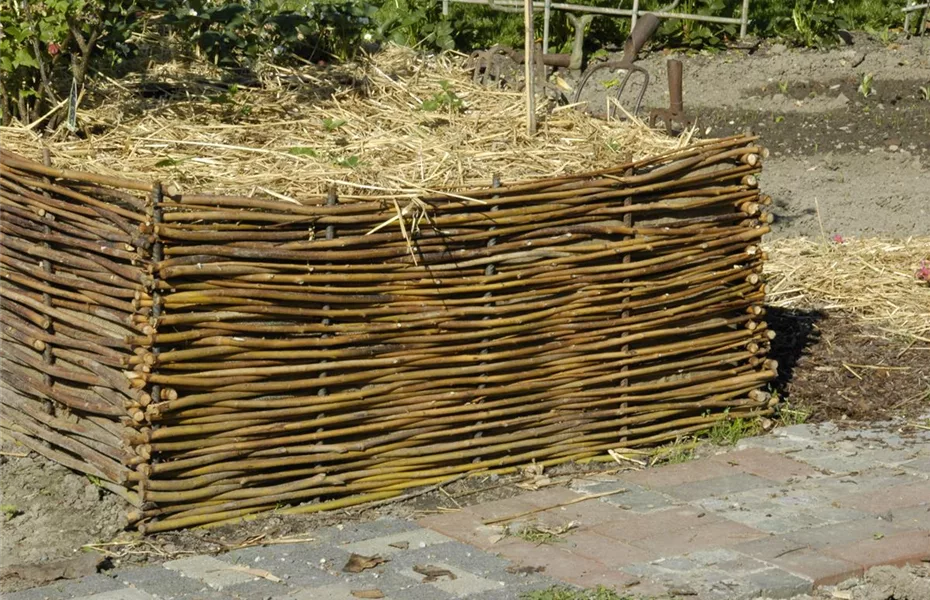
{"type": "Point", "coordinates": [875, 279]}
{"type": "Point", "coordinates": [400, 122]}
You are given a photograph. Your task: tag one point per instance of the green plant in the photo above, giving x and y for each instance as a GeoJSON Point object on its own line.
{"type": "Point", "coordinates": [348, 161]}
{"type": "Point", "coordinates": [333, 124]}
{"type": "Point", "coordinates": [10, 510]}
{"type": "Point", "coordinates": [447, 99]}
{"type": "Point", "coordinates": [558, 592]}
{"type": "Point", "coordinates": [783, 86]}
{"type": "Point", "coordinates": [816, 23]}
{"type": "Point", "coordinates": [865, 85]}
{"type": "Point", "coordinates": [679, 451]}
{"type": "Point", "coordinates": [925, 92]}
{"type": "Point", "coordinates": [729, 430]}
{"type": "Point", "coordinates": [48, 47]}
{"type": "Point", "coordinates": [792, 415]}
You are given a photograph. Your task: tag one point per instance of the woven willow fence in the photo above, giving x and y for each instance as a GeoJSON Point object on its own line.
{"type": "Point", "coordinates": [211, 357]}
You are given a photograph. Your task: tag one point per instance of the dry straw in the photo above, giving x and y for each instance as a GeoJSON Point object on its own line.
{"type": "Point", "coordinates": [875, 279]}
{"type": "Point", "coordinates": [399, 123]}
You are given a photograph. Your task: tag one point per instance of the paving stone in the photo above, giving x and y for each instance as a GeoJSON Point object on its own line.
{"type": "Point", "coordinates": [636, 498]}
{"type": "Point", "coordinates": [609, 552]}
{"type": "Point", "coordinates": [215, 573]}
{"type": "Point", "coordinates": [799, 559]}
{"type": "Point", "coordinates": [354, 532]}
{"type": "Point", "coordinates": [587, 513]}
{"type": "Point", "coordinates": [636, 526]}
{"type": "Point", "coordinates": [718, 487]}
{"type": "Point", "coordinates": [463, 585]}
{"type": "Point", "coordinates": [710, 535]}
{"type": "Point", "coordinates": [549, 496]}
{"type": "Point", "coordinates": [382, 546]}
{"type": "Point", "coordinates": [298, 564]}
{"type": "Point", "coordinates": [257, 589]}
{"type": "Point", "coordinates": [668, 476]}
{"type": "Point", "coordinates": [466, 527]}
{"type": "Point", "coordinates": [166, 584]}
{"type": "Point", "coordinates": [774, 444]}
{"type": "Point", "coordinates": [124, 594]}
{"type": "Point", "coordinates": [558, 562]}
{"type": "Point", "coordinates": [911, 547]}
{"type": "Point", "coordinates": [901, 496]}
{"type": "Point", "coordinates": [776, 583]}
{"type": "Point", "coordinates": [501, 508]}
{"type": "Point", "coordinates": [337, 591]}
{"type": "Point", "coordinates": [844, 534]}
{"type": "Point", "coordinates": [920, 464]}
{"type": "Point", "coordinates": [758, 510]}
{"type": "Point", "coordinates": [87, 586]}
{"type": "Point", "coordinates": [915, 517]}
{"type": "Point", "coordinates": [769, 465]}
{"type": "Point", "coordinates": [837, 460]}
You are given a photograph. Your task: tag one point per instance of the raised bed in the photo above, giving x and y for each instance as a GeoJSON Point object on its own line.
{"type": "Point", "coordinates": [212, 357]}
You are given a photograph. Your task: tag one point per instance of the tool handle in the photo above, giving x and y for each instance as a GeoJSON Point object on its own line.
{"type": "Point", "coordinates": [674, 86]}
{"type": "Point", "coordinates": [645, 27]}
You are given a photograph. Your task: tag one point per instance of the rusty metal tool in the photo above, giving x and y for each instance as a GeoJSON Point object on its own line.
{"type": "Point", "coordinates": [645, 27]}
{"type": "Point", "coordinates": [675, 113]}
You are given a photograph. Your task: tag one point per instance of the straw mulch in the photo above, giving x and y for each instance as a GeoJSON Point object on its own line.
{"type": "Point", "coordinates": [400, 122]}
{"type": "Point", "coordinates": [878, 280]}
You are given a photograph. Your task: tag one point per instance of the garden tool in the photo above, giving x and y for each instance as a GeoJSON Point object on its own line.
{"type": "Point", "coordinates": [675, 113]}
{"type": "Point", "coordinates": [645, 28]}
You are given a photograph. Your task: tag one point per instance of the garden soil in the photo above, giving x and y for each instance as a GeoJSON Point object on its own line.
{"type": "Point", "coordinates": [842, 163]}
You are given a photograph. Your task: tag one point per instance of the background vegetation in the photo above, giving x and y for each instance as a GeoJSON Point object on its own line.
{"type": "Point", "coordinates": [49, 47]}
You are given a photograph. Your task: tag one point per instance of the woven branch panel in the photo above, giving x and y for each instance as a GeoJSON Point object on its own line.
{"type": "Point", "coordinates": [212, 357]}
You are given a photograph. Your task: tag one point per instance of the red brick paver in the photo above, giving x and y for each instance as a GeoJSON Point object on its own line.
{"type": "Point", "coordinates": [899, 496]}
{"type": "Point", "coordinates": [911, 547]}
{"type": "Point", "coordinates": [720, 534]}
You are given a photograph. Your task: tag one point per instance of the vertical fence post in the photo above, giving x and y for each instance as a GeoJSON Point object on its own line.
{"type": "Point", "coordinates": [157, 256]}
{"type": "Point", "coordinates": [47, 357]}
{"type": "Point", "coordinates": [489, 271]}
{"type": "Point", "coordinates": [445, 8]}
{"type": "Point", "coordinates": [529, 49]}
{"type": "Point", "coordinates": [625, 314]}
{"type": "Point", "coordinates": [547, 16]}
{"type": "Point", "coordinates": [744, 20]}
{"type": "Point", "coordinates": [907, 18]}
{"type": "Point", "coordinates": [635, 15]}
{"type": "Point", "coordinates": [331, 200]}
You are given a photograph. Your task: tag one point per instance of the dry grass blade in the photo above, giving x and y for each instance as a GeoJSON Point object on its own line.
{"type": "Point", "coordinates": [872, 278]}
{"type": "Point", "coordinates": [386, 122]}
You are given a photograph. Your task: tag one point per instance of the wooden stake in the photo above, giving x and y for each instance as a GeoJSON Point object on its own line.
{"type": "Point", "coordinates": [529, 48]}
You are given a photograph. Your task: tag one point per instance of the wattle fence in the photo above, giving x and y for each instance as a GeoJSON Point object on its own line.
{"type": "Point", "coordinates": [211, 357]}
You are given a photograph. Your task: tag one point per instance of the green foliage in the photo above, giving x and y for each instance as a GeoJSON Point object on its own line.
{"type": "Point", "coordinates": [558, 592]}
{"type": "Point", "coordinates": [47, 45]}
{"type": "Point", "coordinates": [444, 100]}
{"type": "Point", "coordinates": [10, 510]}
{"type": "Point", "coordinates": [696, 34]}
{"type": "Point", "coordinates": [865, 85]}
{"type": "Point", "coordinates": [729, 431]}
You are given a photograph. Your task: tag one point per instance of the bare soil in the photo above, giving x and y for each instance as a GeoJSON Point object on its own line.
{"type": "Point", "coordinates": [866, 161]}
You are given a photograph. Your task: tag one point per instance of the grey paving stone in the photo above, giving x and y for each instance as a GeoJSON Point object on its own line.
{"type": "Point", "coordinates": [387, 545]}
{"type": "Point", "coordinates": [215, 573]}
{"type": "Point", "coordinates": [258, 589]}
{"type": "Point", "coordinates": [298, 564]}
{"type": "Point", "coordinates": [167, 585]}
{"type": "Point", "coordinates": [88, 586]}
{"type": "Point", "coordinates": [849, 461]}
{"type": "Point", "coordinates": [348, 533]}
{"type": "Point", "coordinates": [636, 498]}
{"type": "Point", "coordinates": [920, 464]}
{"type": "Point", "coordinates": [462, 556]}
{"type": "Point", "coordinates": [123, 594]}
{"type": "Point", "coordinates": [846, 533]}
{"type": "Point", "coordinates": [718, 487]}
{"type": "Point", "coordinates": [758, 510]}
{"type": "Point", "coordinates": [776, 583]}
{"type": "Point", "coordinates": [782, 445]}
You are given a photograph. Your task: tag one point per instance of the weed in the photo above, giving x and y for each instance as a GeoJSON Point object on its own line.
{"type": "Point", "coordinates": [865, 85]}
{"type": "Point", "coordinates": [558, 592]}
{"type": "Point", "coordinates": [783, 86]}
{"type": "Point", "coordinates": [679, 451]}
{"type": "Point", "coordinates": [537, 534]}
{"type": "Point", "coordinates": [302, 151]}
{"type": "Point", "coordinates": [925, 92]}
{"type": "Point", "coordinates": [729, 431]}
{"type": "Point", "coordinates": [611, 83]}
{"type": "Point", "coordinates": [792, 415]}
{"type": "Point", "coordinates": [778, 118]}
{"type": "Point", "coordinates": [446, 99]}
{"type": "Point", "coordinates": [349, 161]}
{"type": "Point", "coordinates": [10, 510]}
{"type": "Point", "coordinates": [333, 124]}
{"type": "Point", "coordinates": [94, 479]}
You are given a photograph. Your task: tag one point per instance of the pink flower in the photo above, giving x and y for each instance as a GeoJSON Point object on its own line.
{"type": "Point", "coordinates": [838, 239]}
{"type": "Point", "coordinates": [54, 48]}
{"type": "Point", "coordinates": [923, 271]}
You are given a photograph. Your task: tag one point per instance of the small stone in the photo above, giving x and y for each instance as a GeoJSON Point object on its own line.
{"type": "Point", "coordinates": [778, 49]}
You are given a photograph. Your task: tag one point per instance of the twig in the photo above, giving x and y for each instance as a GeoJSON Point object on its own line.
{"type": "Point", "coordinates": [560, 505]}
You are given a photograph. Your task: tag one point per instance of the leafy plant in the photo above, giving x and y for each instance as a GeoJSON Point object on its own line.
{"type": "Point", "coordinates": [925, 92]}
{"type": "Point", "coordinates": [349, 161]}
{"type": "Point", "coordinates": [816, 23]}
{"type": "Point", "coordinates": [333, 124]}
{"type": "Point", "coordinates": [865, 85]}
{"type": "Point", "coordinates": [783, 86]}
{"type": "Point", "coordinates": [537, 534]}
{"type": "Point", "coordinates": [10, 510]}
{"type": "Point", "coordinates": [302, 151]}
{"type": "Point", "coordinates": [447, 99]}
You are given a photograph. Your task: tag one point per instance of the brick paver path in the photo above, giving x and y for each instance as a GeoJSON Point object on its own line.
{"type": "Point", "coordinates": [775, 516]}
